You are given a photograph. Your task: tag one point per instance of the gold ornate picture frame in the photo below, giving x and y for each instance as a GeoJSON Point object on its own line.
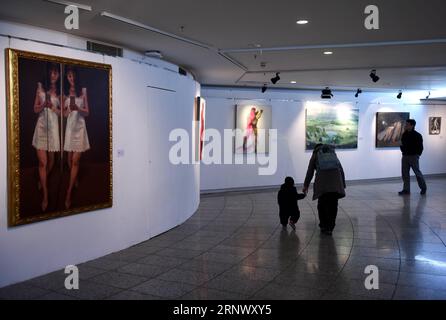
{"type": "Point", "coordinates": [59, 113]}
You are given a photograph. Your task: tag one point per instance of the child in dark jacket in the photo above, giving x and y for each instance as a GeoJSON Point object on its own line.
{"type": "Point", "coordinates": [287, 199]}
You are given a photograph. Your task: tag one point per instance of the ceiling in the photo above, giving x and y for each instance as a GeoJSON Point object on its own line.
{"type": "Point", "coordinates": [236, 37]}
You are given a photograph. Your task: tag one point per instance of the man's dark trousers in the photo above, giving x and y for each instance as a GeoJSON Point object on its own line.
{"type": "Point", "coordinates": [412, 162]}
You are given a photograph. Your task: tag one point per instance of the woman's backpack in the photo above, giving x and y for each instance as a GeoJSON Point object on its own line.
{"type": "Point", "coordinates": [327, 159]}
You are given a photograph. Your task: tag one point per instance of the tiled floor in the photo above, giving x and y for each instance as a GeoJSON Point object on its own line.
{"type": "Point", "coordinates": [234, 248]}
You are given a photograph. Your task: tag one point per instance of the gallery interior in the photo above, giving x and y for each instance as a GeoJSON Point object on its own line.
{"type": "Point", "coordinates": [143, 145]}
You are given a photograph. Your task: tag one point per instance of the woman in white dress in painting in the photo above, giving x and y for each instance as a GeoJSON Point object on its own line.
{"type": "Point", "coordinates": [46, 133]}
{"type": "Point", "coordinates": [76, 137]}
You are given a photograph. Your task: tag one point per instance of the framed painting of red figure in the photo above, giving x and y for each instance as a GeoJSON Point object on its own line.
{"type": "Point", "coordinates": [59, 136]}
{"type": "Point", "coordinates": [253, 122]}
{"type": "Point", "coordinates": [200, 120]}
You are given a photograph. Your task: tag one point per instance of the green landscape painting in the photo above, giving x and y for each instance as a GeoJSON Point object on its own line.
{"type": "Point", "coordinates": [334, 125]}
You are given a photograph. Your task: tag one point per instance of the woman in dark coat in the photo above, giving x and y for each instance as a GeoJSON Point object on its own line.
{"type": "Point", "coordinates": [329, 187]}
{"type": "Point", "coordinates": [287, 199]}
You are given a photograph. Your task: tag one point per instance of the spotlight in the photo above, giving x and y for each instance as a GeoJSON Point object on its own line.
{"type": "Point", "coordinates": [400, 94]}
{"type": "Point", "coordinates": [264, 88]}
{"type": "Point", "coordinates": [326, 93]}
{"type": "Point", "coordinates": [276, 78]}
{"type": "Point", "coordinates": [358, 92]}
{"type": "Point", "coordinates": [373, 75]}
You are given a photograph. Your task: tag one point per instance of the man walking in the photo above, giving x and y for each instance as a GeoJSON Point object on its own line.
{"type": "Point", "coordinates": [412, 148]}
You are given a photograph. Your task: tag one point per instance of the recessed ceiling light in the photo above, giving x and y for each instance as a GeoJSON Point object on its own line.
{"type": "Point", "coordinates": [302, 21]}
{"type": "Point", "coordinates": [328, 52]}
{"type": "Point", "coordinates": [293, 82]}
{"type": "Point", "coordinates": [254, 45]}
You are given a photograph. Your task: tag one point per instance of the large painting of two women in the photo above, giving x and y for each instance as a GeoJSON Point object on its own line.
{"type": "Point", "coordinates": [59, 136]}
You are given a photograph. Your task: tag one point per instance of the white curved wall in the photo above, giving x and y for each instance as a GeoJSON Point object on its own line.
{"type": "Point", "coordinates": [150, 195]}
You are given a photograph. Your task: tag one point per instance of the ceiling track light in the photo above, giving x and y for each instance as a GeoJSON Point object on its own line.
{"type": "Point", "coordinates": [359, 91]}
{"type": "Point", "coordinates": [326, 93]}
{"type": "Point", "coordinates": [264, 88]}
{"type": "Point", "coordinates": [276, 78]}
{"type": "Point", "coordinates": [400, 94]}
{"type": "Point", "coordinates": [373, 75]}
{"type": "Point", "coordinates": [69, 3]}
